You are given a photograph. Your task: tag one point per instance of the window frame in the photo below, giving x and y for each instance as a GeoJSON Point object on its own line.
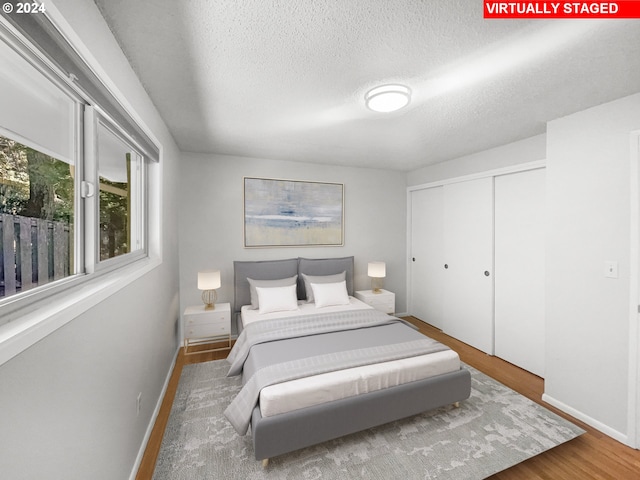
{"type": "Point", "coordinates": [92, 118]}
{"type": "Point", "coordinates": [29, 316]}
{"type": "Point", "coordinates": [21, 303]}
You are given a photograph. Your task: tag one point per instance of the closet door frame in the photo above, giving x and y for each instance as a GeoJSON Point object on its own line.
{"type": "Point", "coordinates": [489, 173]}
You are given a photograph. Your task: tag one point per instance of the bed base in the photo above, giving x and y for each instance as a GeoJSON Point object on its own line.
{"type": "Point", "coordinates": [273, 436]}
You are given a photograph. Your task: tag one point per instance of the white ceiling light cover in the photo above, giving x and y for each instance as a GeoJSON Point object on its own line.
{"type": "Point", "coordinates": [388, 98]}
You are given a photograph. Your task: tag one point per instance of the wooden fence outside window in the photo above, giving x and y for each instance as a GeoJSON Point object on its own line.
{"type": "Point", "coordinates": [33, 252]}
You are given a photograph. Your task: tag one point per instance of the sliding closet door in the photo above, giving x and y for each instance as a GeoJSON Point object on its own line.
{"type": "Point", "coordinates": [468, 262]}
{"type": "Point", "coordinates": [426, 255]}
{"type": "Point", "coordinates": [519, 278]}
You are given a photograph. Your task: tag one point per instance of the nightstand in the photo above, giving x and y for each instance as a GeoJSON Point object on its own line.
{"type": "Point", "coordinates": [207, 326]}
{"type": "Point", "coordinates": [384, 301]}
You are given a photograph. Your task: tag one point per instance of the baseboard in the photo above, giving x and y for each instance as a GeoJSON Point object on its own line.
{"type": "Point", "coordinates": [616, 435]}
{"type": "Point", "coordinates": [154, 417]}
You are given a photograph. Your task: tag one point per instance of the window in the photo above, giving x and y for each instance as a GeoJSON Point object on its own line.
{"type": "Point", "coordinates": [121, 200]}
{"type": "Point", "coordinates": [37, 206]}
{"type": "Point", "coordinates": [73, 180]}
{"type": "Point", "coordinates": [38, 162]}
{"type": "Point", "coordinates": [116, 163]}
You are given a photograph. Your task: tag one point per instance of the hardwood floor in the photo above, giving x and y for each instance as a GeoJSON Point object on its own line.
{"type": "Point", "coordinates": [590, 456]}
{"type": "Point", "coordinates": [148, 463]}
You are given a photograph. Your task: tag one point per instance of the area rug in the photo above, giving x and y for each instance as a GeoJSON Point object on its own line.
{"type": "Point", "coordinates": [493, 430]}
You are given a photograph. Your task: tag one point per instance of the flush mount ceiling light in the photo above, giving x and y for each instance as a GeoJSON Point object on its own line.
{"type": "Point", "coordinates": [388, 98]}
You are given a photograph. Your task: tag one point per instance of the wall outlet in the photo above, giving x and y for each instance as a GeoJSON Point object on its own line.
{"type": "Point", "coordinates": [138, 404]}
{"type": "Point", "coordinates": [611, 269]}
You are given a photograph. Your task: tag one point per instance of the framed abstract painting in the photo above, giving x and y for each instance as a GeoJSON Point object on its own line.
{"type": "Point", "coordinates": [292, 213]}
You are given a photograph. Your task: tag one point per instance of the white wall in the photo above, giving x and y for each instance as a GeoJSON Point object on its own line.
{"type": "Point", "coordinates": [588, 223]}
{"type": "Point", "coordinates": [211, 220]}
{"type": "Point", "coordinates": [68, 403]}
{"type": "Point", "coordinates": [587, 317]}
{"type": "Point", "coordinates": [523, 151]}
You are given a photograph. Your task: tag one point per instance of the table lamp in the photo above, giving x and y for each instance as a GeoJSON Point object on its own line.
{"type": "Point", "coordinates": [377, 271]}
{"type": "Point", "coordinates": [208, 281]}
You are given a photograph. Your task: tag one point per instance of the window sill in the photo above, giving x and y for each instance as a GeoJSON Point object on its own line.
{"type": "Point", "coordinates": [54, 312]}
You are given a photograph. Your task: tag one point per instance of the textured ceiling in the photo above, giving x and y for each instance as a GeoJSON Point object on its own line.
{"type": "Point", "coordinates": [286, 79]}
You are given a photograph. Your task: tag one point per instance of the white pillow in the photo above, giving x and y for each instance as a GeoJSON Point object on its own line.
{"type": "Point", "coordinates": [329, 294]}
{"type": "Point", "coordinates": [282, 282]}
{"type": "Point", "coordinates": [277, 299]}
{"type": "Point", "coordinates": [309, 279]}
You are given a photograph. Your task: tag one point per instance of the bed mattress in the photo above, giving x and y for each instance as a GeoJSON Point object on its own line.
{"type": "Point", "coordinates": [310, 391]}
{"type": "Point", "coordinates": [314, 390]}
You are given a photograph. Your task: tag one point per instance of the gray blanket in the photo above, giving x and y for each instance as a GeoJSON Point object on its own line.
{"type": "Point", "coordinates": [239, 411]}
{"type": "Point", "coordinates": [299, 326]}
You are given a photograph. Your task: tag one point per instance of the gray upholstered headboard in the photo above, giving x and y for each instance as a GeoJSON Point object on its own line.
{"type": "Point", "coordinates": [275, 269]}
{"type": "Point", "coordinates": [263, 270]}
{"type": "Point", "coordinates": [325, 266]}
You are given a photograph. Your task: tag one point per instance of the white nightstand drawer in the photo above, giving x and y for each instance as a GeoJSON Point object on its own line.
{"type": "Point", "coordinates": [207, 330]}
{"type": "Point", "coordinates": [387, 306]}
{"type": "Point", "coordinates": [384, 301]}
{"type": "Point", "coordinates": [206, 319]}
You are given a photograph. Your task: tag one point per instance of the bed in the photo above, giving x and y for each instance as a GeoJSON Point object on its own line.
{"type": "Point", "coordinates": [378, 368]}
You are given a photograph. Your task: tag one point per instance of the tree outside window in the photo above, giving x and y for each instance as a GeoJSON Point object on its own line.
{"type": "Point", "coordinates": [37, 213]}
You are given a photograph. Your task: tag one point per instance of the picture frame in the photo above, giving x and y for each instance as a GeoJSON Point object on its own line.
{"type": "Point", "coordinates": [292, 213]}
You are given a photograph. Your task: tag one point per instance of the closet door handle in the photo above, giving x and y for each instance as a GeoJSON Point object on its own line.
{"type": "Point", "coordinates": [446, 265]}
{"type": "Point", "coordinates": [486, 273]}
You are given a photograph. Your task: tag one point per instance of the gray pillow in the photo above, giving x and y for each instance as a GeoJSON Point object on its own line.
{"type": "Point", "coordinates": [281, 282]}
{"type": "Point", "coordinates": [309, 279]}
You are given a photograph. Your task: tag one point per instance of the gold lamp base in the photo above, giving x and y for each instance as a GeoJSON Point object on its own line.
{"type": "Point", "coordinates": [209, 298]}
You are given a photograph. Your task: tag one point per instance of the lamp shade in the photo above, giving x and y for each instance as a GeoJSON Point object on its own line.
{"type": "Point", "coordinates": [377, 270]}
{"type": "Point", "coordinates": [209, 280]}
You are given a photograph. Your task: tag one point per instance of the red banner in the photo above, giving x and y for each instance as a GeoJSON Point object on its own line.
{"type": "Point", "coordinates": [518, 9]}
